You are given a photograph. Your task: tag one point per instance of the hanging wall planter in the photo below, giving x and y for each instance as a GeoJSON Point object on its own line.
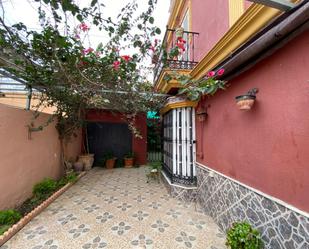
{"type": "Point", "coordinates": [201, 114]}
{"type": "Point", "coordinates": [246, 101]}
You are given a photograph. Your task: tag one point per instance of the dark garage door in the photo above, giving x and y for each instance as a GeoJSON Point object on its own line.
{"type": "Point", "coordinates": [104, 137]}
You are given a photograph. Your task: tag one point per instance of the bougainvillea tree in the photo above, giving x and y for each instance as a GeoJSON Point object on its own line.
{"type": "Point", "coordinates": [73, 76]}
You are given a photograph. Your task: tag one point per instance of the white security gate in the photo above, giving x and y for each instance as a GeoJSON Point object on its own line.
{"type": "Point", "coordinates": [179, 145]}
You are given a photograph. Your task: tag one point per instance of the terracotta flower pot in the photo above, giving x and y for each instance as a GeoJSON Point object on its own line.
{"type": "Point", "coordinates": [128, 162]}
{"type": "Point", "coordinates": [87, 160]}
{"type": "Point", "coordinates": [110, 163]}
{"type": "Point", "coordinates": [245, 102]}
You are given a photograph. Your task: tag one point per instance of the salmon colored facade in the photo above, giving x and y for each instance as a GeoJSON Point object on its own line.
{"type": "Point", "coordinates": [210, 29]}
{"type": "Point", "coordinates": [139, 145]}
{"type": "Point", "coordinates": [25, 161]}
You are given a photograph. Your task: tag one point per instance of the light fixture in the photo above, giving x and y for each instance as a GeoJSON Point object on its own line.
{"type": "Point", "coordinates": [201, 113]}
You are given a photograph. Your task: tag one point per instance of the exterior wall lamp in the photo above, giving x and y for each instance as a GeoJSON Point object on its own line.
{"type": "Point", "coordinates": [201, 113]}
{"type": "Point", "coordinates": [246, 101]}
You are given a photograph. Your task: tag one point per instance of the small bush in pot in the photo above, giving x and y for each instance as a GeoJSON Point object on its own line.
{"type": "Point", "coordinates": [129, 160]}
{"type": "Point", "coordinates": [109, 160]}
{"type": "Point", "coordinates": [242, 236]}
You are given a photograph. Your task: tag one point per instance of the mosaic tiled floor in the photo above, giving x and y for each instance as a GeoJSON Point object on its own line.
{"type": "Point", "coordinates": [118, 209]}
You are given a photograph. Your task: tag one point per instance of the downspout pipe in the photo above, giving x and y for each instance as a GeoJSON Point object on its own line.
{"type": "Point", "coordinates": [265, 43]}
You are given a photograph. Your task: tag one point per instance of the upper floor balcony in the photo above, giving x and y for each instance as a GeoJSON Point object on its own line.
{"type": "Point", "coordinates": [176, 53]}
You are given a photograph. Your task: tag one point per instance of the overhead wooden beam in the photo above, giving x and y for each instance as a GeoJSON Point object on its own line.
{"type": "Point", "coordinates": [283, 5]}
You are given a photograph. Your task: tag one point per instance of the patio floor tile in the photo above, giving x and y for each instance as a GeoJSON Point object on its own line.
{"type": "Point", "coordinates": [118, 209]}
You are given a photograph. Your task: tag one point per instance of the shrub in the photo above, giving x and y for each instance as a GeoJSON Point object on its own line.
{"type": "Point", "coordinates": [71, 177]}
{"type": "Point", "coordinates": [4, 228]}
{"type": "Point", "coordinates": [44, 188]}
{"type": "Point", "coordinates": [9, 217]}
{"type": "Point", "coordinates": [242, 236]}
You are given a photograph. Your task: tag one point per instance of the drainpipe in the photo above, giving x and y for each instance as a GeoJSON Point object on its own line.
{"type": "Point", "coordinates": [273, 37]}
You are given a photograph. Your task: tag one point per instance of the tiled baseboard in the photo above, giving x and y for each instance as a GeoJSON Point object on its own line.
{"type": "Point", "coordinates": [184, 194]}
{"type": "Point", "coordinates": [226, 202]}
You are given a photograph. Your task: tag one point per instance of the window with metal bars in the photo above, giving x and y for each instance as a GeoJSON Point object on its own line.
{"type": "Point", "coordinates": [179, 145]}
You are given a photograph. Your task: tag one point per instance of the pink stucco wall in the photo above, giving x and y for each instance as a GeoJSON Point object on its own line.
{"type": "Point", "coordinates": [211, 20]}
{"type": "Point", "coordinates": [267, 147]}
{"type": "Point", "coordinates": [24, 162]}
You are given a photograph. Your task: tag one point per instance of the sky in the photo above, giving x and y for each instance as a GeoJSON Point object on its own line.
{"type": "Point", "coordinates": [26, 11]}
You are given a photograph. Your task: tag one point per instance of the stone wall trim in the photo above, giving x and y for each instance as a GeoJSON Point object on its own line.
{"type": "Point", "coordinates": [295, 209]}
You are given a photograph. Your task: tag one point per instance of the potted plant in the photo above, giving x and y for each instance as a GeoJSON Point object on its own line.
{"type": "Point", "coordinates": [129, 160]}
{"type": "Point", "coordinates": [246, 101]}
{"type": "Point", "coordinates": [110, 160]}
{"type": "Point", "coordinates": [86, 159]}
{"type": "Point", "coordinates": [242, 236]}
{"type": "Point", "coordinates": [179, 32]}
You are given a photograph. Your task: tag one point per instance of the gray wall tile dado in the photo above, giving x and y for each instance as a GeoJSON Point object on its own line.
{"type": "Point", "coordinates": [227, 202]}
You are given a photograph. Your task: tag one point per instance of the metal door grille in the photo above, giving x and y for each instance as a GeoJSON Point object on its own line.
{"type": "Point", "coordinates": [179, 145]}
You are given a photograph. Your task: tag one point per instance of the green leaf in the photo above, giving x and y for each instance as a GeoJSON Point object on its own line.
{"type": "Point", "coordinates": [151, 20]}
{"type": "Point", "coordinates": [93, 2]}
{"type": "Point", "coordinates": [79, 17]}
{"type": "Point", "coordinates": [158, 31]}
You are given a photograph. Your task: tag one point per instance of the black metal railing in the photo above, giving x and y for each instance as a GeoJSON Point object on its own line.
{"type": "Point", "coordinates": [185, 60]}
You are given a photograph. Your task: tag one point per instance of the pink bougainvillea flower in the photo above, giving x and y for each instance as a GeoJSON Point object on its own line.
{"type": "Point", "coordinates": [116, 65]}
{"type": "Point", "coordinates": [211, 74]}
{"type": "Point", "coordinates": [181, 46]}
{"type": "Point", "coordinates": [220, 72]}
{"type": "Point", "coordinates": [84, 27]}
{"type": "Point", "coordinates": [181, 43]}
{"type": "Point", "coordinates": [181, 40]}
{"type": "Point", "coordinates": [152, 48]}
{"type": "Point", "coordinates": [126, 58]}
{"type": "Point", "coordinates": [88, 51]}
{"type": "Point", "coordinates": [81, 63]}
{"type": "Point", "coordinates": [97, 53]}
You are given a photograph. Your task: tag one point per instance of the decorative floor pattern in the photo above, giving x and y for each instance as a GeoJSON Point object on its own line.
{"type": "Point", "coordinates": [118, 209]}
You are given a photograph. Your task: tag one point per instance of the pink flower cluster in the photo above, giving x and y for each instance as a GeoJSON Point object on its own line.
{"type": "Point", "coordinates": [153, 47]}
{"type": "Point", "coordinates": [213, 73]}
{"type": "Point", "coordinates": [116, 64]}
{"type": "Point", "coordinates": [88, 51]}
{"type": "Point", "coordinates": [84, 27]}
{"type": "Point", "coordinates": [181, 43]}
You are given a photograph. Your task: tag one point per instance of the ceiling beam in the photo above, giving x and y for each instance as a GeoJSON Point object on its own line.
{"type": "Point", "coordinates": [283, 5]}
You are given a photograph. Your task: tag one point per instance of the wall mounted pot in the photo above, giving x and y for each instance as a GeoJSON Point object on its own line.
{"type": "Point", "coordinates": [201, 114]}
{"type": "Point", "coordinates": [245, 102]}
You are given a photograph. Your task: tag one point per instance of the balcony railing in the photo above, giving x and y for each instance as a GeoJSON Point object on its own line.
{"type": "Point", "coordinates": [185, 60]}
